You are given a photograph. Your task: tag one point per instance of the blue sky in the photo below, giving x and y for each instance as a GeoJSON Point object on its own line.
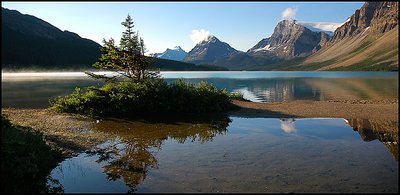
{"type": "Point", "coordinates": [167, 24]}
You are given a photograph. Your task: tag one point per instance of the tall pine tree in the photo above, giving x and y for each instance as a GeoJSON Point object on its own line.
{"type": "Point", "coordinates": [127, 60]}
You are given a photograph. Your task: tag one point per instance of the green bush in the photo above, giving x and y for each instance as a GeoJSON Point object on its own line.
{"type": "Point", "coordinates": [152, 96]}
{"type": "Point", "coordinates": [26, 161]}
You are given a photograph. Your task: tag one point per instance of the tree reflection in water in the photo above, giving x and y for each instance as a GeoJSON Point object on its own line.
{"type": "Point", "coordinates": [131, 153]}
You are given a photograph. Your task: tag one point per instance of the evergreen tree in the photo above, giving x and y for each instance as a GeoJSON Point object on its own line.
{"type": "Point", "coordinates": [127, 60]}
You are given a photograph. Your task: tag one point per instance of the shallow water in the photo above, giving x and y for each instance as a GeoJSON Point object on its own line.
{"type": "Point", "coordinates": [33, 90]}
{"type": "Point", "coordinates": [233, 154]}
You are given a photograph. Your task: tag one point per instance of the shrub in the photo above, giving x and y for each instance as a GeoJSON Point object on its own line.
{"type": "Point", "coordinates": [151, 96]}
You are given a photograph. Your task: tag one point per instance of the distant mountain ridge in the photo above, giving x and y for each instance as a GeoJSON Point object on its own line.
{"type": "Point", "coordinates": [30, 41]}
{"type": "Point", "coordinates": [210, 51]}
{"type": "Point", "coordinates": [368, 40]}
{"type": "Point", "coordinates": [288, 41]}
{"type": "Point", "coordinates": [176, 53]}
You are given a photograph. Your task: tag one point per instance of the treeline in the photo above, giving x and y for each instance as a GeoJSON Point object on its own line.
{"type": "Point", "coordinates": [29, 52]}
{"type": "Point", "coordinates": [24, 50]}
{"type": "Point", "coordinates": [164, 64]}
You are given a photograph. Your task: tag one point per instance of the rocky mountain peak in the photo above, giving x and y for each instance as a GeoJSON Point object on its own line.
{"type": "Point", "coordinates": [178, 48]}
{"type": "Point", "coordinates": [373, 18]}
{"type": "Point", "coordinates": [209, 39]}
{"type": "Point", "coordinates": [176, 53]}
{"type": "Point", "coordinates": [289, 40]}
{"type": "Point", "coordinates": [284, 31]}
{"type": "Point", "coordinates": [209, 51]}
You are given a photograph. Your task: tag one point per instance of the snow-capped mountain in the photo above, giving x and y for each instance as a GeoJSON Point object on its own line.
{"type": "Point", "coordinates": [291, 39]}
{"type": "Point", "coordinates": [176, 53]}
{"type": "Point", "coordinates": [209, 51]}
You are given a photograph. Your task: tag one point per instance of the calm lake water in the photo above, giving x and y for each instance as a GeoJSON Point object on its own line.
{"type": "Point", "coordinates": [231, 153]}
{"type": "Point", "coordinates": [33, 90]}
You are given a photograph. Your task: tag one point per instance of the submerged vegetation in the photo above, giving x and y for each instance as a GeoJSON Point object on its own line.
{"type": "Point", "coordinates": [134, 89]}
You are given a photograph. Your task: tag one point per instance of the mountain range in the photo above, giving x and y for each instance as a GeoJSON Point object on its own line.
{"type": "Point", "coordinates": [288, 41]}
{"type": "Point", "coordinates": [176, 53]}
{"type": "Point", "coordinates": [29, 42]}
{"type": "Point", "coordinates": [368, 40]}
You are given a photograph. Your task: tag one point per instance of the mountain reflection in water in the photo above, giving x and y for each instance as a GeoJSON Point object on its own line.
{"type": "Point", "coordinates": [386, 132]}
{"type": "Point", "coordinates": [21, 92]}
{"type": "Point", "coordinates": [287, 89]}
{"type": "Point", "coordinates": [135, 149]}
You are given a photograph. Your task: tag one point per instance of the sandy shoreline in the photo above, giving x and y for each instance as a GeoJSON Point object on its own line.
{"type": "Point", "coordinates": [350, 109]}
{"type": "Point", "coordinates": [72, 134]}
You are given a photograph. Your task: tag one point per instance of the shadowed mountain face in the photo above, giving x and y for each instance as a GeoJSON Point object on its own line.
{"type": "Point", "coordinates": [31, 43]}
{"type": "Point", "coordinates": [28, 41]}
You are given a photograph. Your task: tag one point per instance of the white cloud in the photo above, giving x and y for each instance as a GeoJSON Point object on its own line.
{"type": "Point", "coordinates": [199, 35]}
{"type": "Point", "coordinates": [289, 13]}
{"type": "Point", "coordinates": [321, 26]}
{"type": "Point", "coordinates": [287, 125]}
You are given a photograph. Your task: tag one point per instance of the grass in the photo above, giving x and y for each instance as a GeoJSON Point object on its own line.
{"type": "Point", "coordinates": [26, 160]}
{"type": "Point", "coordinates": [368, 65]}
{"type": "Point", "coordinates": [362, 47]}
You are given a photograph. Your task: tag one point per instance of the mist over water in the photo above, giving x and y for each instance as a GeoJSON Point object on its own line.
{"type": "Point", "coordinates": [34, 89]}
{"type": "Point", "coordinates": [218, 74]}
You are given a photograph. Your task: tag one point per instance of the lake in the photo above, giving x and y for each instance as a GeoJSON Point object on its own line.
{"type": "Point", "coordinates": [226, 153]}
{"type": "Point", "coordinates": [257, 86]}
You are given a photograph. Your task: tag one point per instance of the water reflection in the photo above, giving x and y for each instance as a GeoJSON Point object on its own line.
{"type": "Point", "coordinates": [287, 125]}
{"type": "Point", "coordinates": [287, 89]}
{"type": "Point", "coordinates": [130, 154]}
{"type": "Point", "coordinates": [21, 92]}
{"type": "Point", "coordinates": [231, 154]}
{"type": "Point", "coordinates": [386, 132]}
